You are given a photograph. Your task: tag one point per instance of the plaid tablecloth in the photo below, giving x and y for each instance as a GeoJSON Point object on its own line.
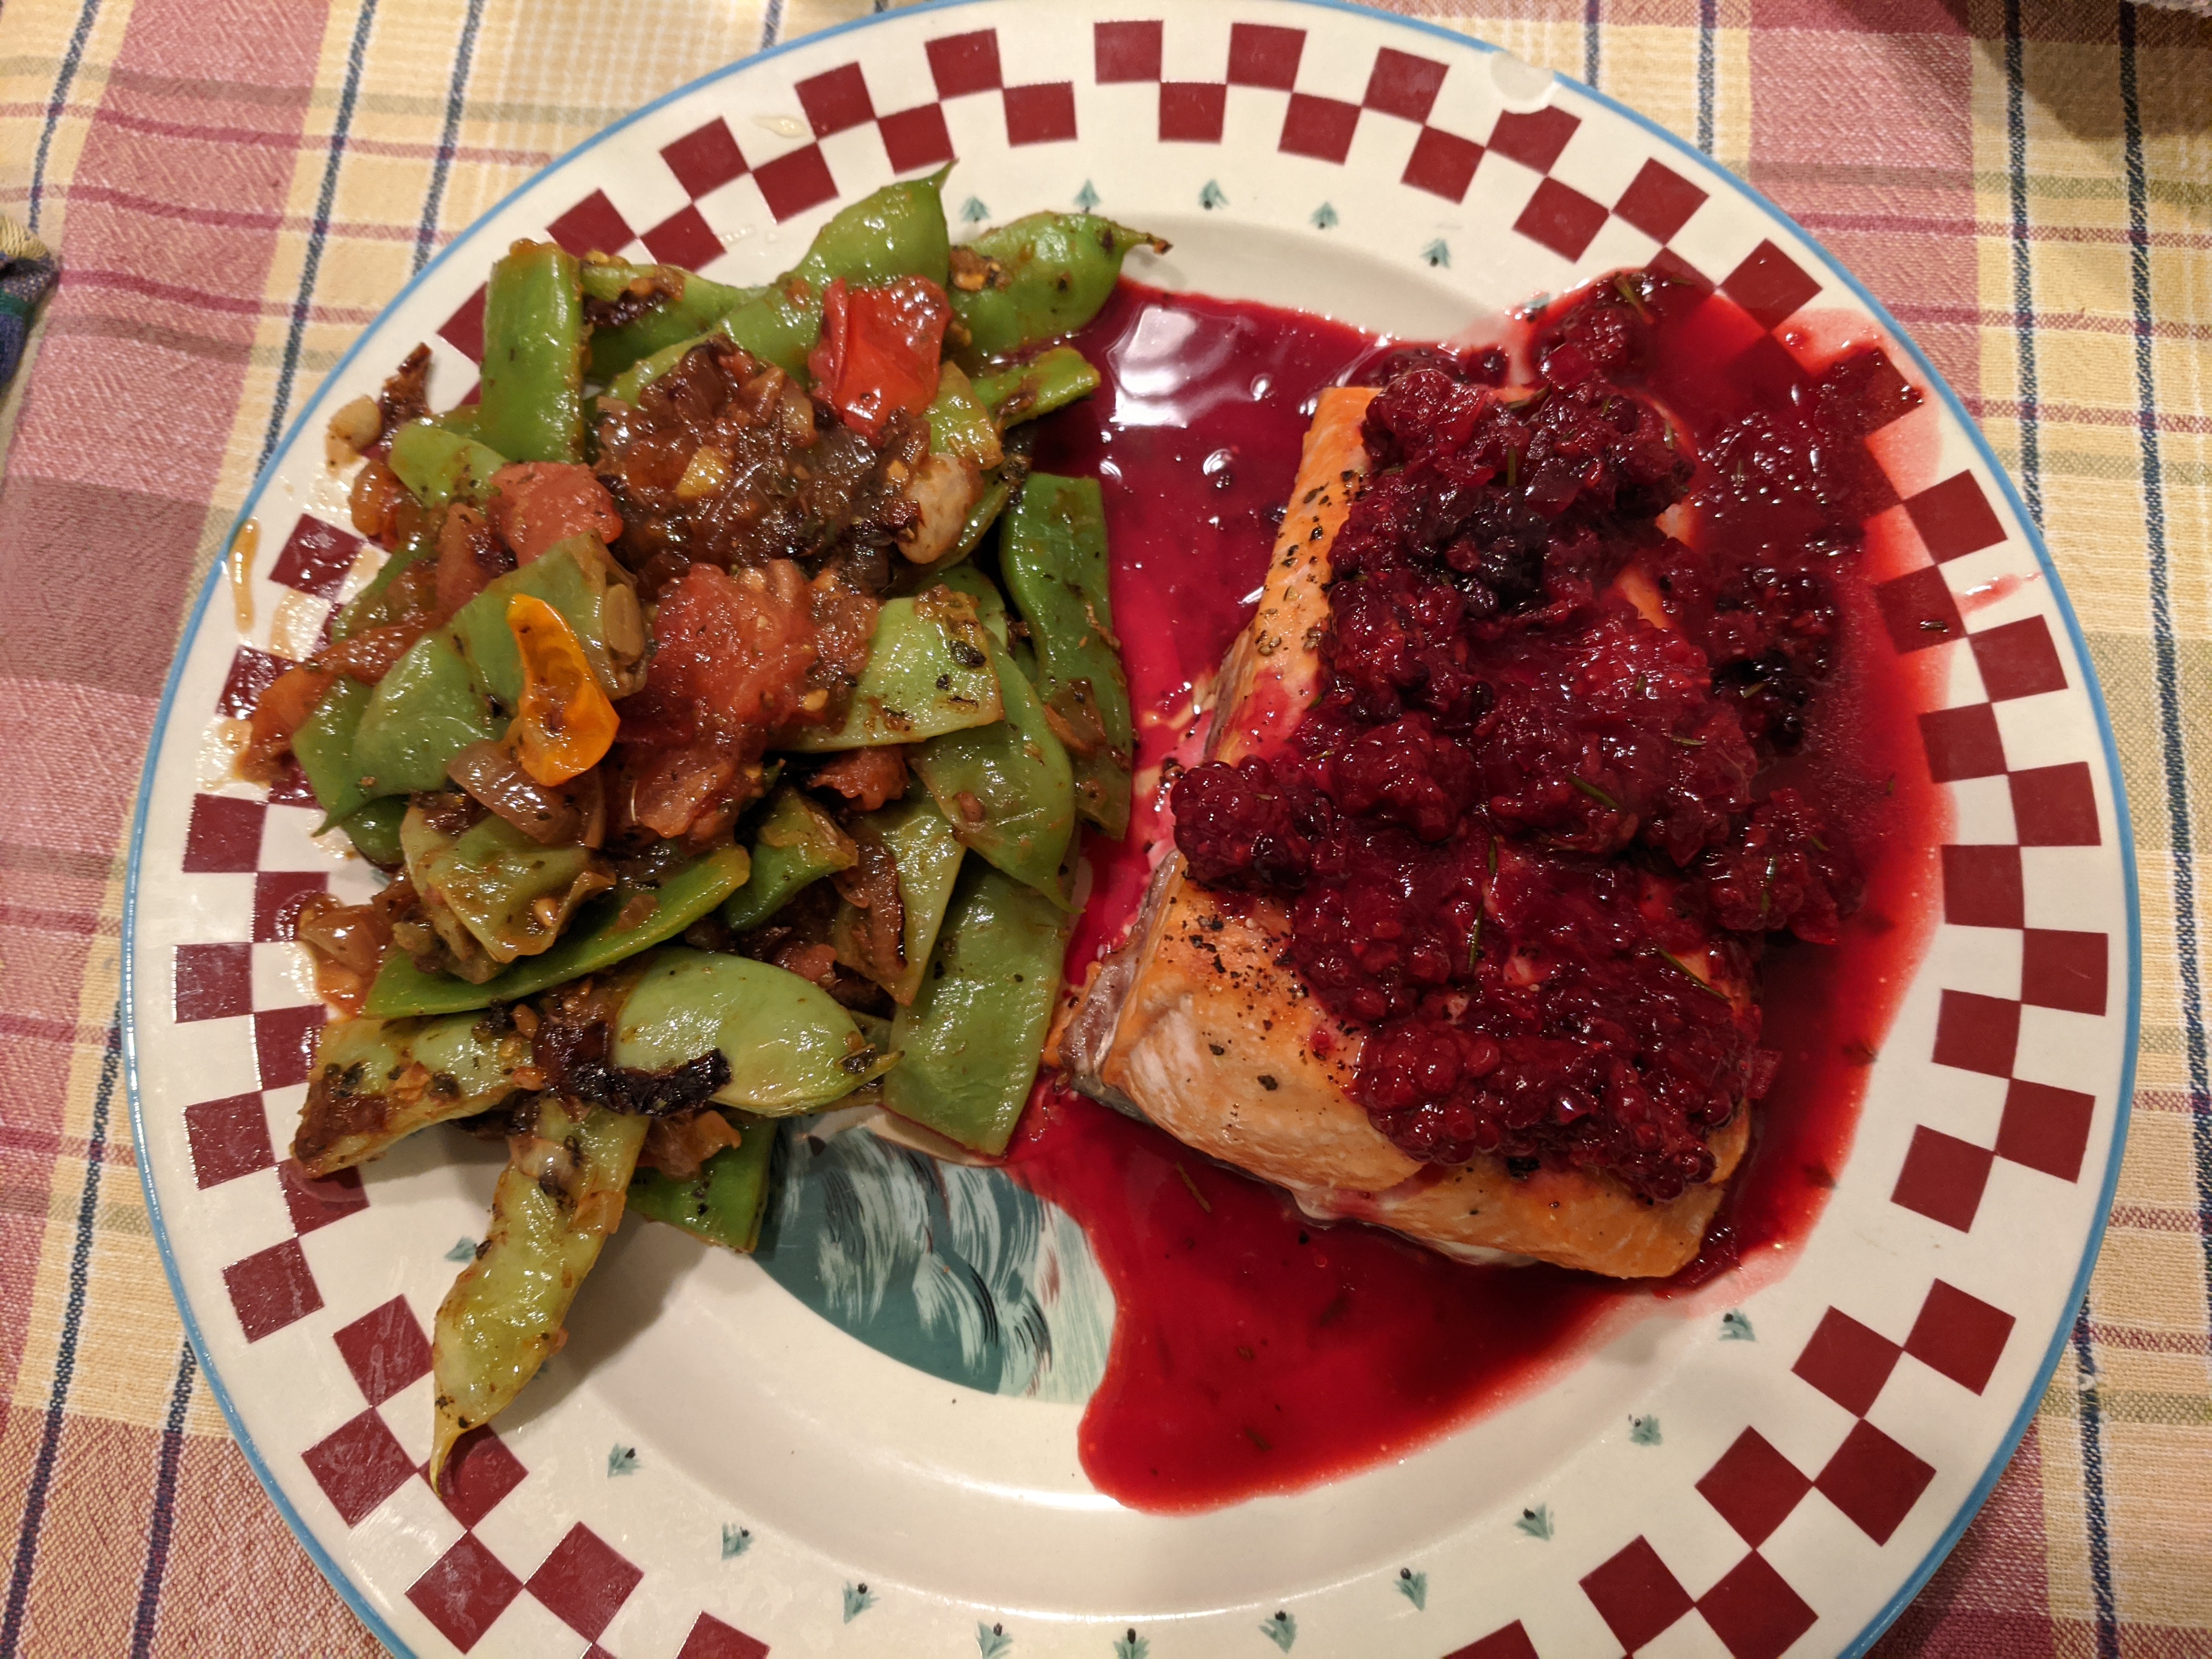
{"type": "Point", "coordinates": [236, 186]}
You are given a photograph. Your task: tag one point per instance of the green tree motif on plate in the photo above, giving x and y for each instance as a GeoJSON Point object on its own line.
{"type": "Point", "coordinates": [1282, 1630]}
{"type": "Point", "coordinates": [1414, 1586]}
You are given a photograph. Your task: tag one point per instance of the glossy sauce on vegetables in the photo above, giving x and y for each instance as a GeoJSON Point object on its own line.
{"type": "Point", "coordinates": [1254, 1351]}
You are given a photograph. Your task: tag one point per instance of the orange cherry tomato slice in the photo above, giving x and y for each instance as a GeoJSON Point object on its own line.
{"type": "Point", "coordinates": [565, 725]}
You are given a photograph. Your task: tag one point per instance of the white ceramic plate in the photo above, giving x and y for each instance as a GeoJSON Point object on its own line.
{"type": "Point", "coordinates": [713, 1468]}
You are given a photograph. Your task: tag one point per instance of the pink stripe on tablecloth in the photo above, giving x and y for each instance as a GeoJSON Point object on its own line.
{"type": "Point", "coordinates": [116, 455]}
{"type": "Point", "coordinates": [1852, 125]}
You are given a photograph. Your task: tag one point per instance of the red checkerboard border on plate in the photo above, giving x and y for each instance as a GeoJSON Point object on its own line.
{"type": "Point", "coordinates": [1871, 1478]}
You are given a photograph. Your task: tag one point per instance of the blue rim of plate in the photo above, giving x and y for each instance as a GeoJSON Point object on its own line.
{"type": "Point", "coordinates": [1918, 1579]}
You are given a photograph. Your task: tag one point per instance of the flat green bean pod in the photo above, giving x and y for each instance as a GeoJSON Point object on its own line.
{"type": "Point", "coordinates": [323, 747]}
{"type": "Point", "coordinates": [694, 307]}
{"type": "Point", "coordinates": [377, 1081]}
{"type": "Point", "coordinates": [928, 856]}
{"type": "Point", "coordinates": [1039, 277]}
{"type": "Point", "coordinates": [795, 844]}
{"type": "Point", "coordinates": [491, 891]}
{"type": "Point", "coordinates": [558, 1200]}
{"type": "Point", "coordinates": [442, 466]}
{"type": "Point", "coordinates": [1054, 559]}
{"type": "Point", "coordinates": [595, 942]}
{"type": "Point", "coordinates": [423, 712]}
{"type": "Point", "coordinates": [374, 828]}
{"type": "Point", "coordinates": [1006, 789]}
{"type": "Point", "coordinates": [928, 671]}
{"type": "Point", "coordinates": [532, 407]}
{"type": "Point", "coordinates": [722, 1204]}
{"type": "Point", "coordinates": [970, 1041]}
{"type": "Point", "coordinates": [1050, 381]}
{"type": "Point", "coordinates": [790, 1047]}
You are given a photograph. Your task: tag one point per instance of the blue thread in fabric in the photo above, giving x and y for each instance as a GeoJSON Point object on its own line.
{"type": "Point", "coordinates": [80, 1278]}
{"type": "Point", "coordinates": [2165, 652]}
{"type": "Point", "coordinates": [317, 233]}
{"type": "Point", "coordinates": [1590, 21]}
{"type": "Point", "coordinates": [72, 59]}
{"type": "Point", "coordinates": [162, 1525]}
{"type": "Point", "coordinates": [2092, 1489]}
{"type": "Point", "coordinates": [434, 200]}
{"type": "Point", "coordinates": [1708, 19]}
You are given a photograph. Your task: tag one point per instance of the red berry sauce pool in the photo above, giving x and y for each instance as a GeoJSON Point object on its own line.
{"type": "Point", "coordinates": [1254, 1351]}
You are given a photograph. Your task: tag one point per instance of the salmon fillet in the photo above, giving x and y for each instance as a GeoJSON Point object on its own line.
{"type": "Point", "coordinates": [1197, 1024]}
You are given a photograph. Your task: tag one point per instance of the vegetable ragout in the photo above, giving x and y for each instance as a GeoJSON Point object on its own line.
{"type": "Point", "coordinates": [723, 713]}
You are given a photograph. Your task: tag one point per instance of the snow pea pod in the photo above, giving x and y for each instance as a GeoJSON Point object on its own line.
{"type": "Point", "coordinates": [324, 746]}
{"type": "Point", "coordinates": [1006, 789]}
{"type": "Point", "coordinates": [532, 408]}
{"type": "Point", "coordinates": [929, 672]}
{"type": "Point", "coordinates": [790, 1047]}
{"type": "Point", "coordinates": [970, 1041]}
{"type": "Point", "coordinates": [377, 1081]}
{"type": "Point", "coordinates": [1054, 559]}
{"type": "Point", "coordinates": [441, 467]}
{"type": "Point", "coordinates": [423, 712]}
{"type": "Point", "coordinates": [1050, 381]}
{"type": "Point", "coordinates": [796, 843]}
{"type": "Point", "coordinates": [492, 891]}
{"type": "Point", "coordinates": [687, 304]}
{"type": "Point", "coordinates": [557, 1201]}
{"type": "Point", "coordinates": [1039, 277]}
{"type": "Point", "coordinates": [593, 597]}
{"type": "Point", "coordinates": [595, 941]}
{"type": "Point", "coordinates": [722, 1204]}
{"type": "Point", "coordinates": [928, 856]}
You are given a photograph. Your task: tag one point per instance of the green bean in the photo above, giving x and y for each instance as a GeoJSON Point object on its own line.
{"type": "Point", "coordinates": [928, 856]}
{"type": "Point", "coordinates": [373, 829]}
{"type": "Point", "coordinates": [1006, 789]}
{"type": "Point", "coordinates": [722, 1204]}
{"type": "Point", "coordinates": [970, 1041]}
{"type": "Point", "coordinates": [1054, 559]}
{"type": "Point", "coordinates": [493, 885]}
{"type": "Point", "coordinates": [1050, 381]}
{"type": "Point", "coordinates": [795, 844]}
{"type": "Point", "coordinates": [377, 1081]}
{"type": "Point", "coordinates": [1039, 277]}
{"type": "Point", "coordinates": [594, 598]}
{"type": "Point", "coordinates": [928, 672]}
{"type": "Point", "coordinates": [533, 356]}
{"type": "Point", "coordinates": [371, 607]}
{"type": "Point", "coordinates": [790, 1047]}
{"type": "Point", "coordinates": [595, 942]}
{"type": "Point", "coordinates": [558, 1199]}
{"type": "Point", "coordinates": [440, 466]}
{"type": "Point", "coordinates": [324, 746]}
{"type": "Point", "coordinates": [694, 305]}
{"type": "Point", "coordinates": [423, 712]}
